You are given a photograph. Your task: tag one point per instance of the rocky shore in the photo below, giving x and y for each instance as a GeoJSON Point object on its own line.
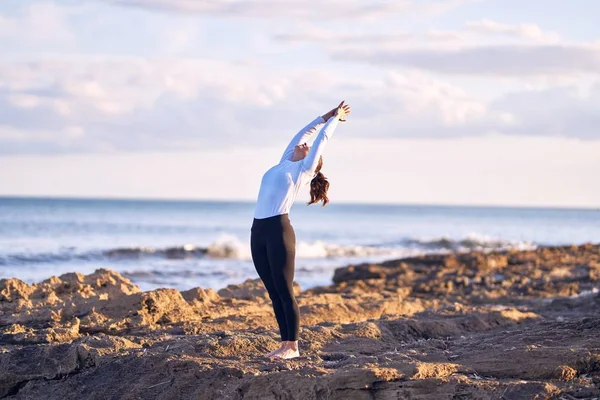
{"type": "Point", "coordinates": [504, 325]}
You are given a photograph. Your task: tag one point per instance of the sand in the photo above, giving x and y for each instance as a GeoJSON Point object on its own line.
{"type": "Point", "coordinates": [504, 325]}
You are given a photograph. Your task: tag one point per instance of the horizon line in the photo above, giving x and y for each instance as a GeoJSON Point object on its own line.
{"type": "Point", "coordinates": [342, 202]}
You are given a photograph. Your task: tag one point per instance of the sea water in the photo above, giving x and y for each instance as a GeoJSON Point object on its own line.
{"type": "Point", "coordinates": [185, 244]}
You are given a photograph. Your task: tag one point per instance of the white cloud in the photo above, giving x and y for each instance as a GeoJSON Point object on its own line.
{"type": "Point", "coordinates": [555, 111]}
{"type": "Point", "coordinates": [475, 34]}
{"type": "Point", "coordinates": [414, 101]}
{"type": "Point", "coordinates": [447, 36]}
{"type": "Point", "coordinates": [64, 140]}
{"type": "Point", "coordinates": [526, 31]}
{"type": "Point", "coordinates": [137, 104]}
{"type": "Point", "coordinates": [74, 131]}
{"type": "Point", "coordinates": [181, 39]}
{"type": "Point", "coordinates": [122, 85]}
{"type": "Point", "coordinates": [40, 22]}
{"type": "Point", "coordinates": [131, 104]}
{"type": "Point", "coordinates": [523, 51]}
{"type": "Point", "coordinates": [319, 35]}
{"type": "Point", "coordinates": [333, 39]}
{"type": "Point", "coordinates": [490, 60]}
{"type": "Point", "coordinates": [300, 9]}
{"type": "Point", "coordinates": [24, 100]}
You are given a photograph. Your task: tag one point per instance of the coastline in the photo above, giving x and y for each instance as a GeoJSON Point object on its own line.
{"type": "Point", "coordinates": [506, 324]}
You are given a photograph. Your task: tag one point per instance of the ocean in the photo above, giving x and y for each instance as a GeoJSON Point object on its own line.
{"type": "Point", "coordinates": [185, 244]}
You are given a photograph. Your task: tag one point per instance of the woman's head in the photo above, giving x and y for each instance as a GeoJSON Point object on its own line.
{"type": "Point", "coordinates": [319, 186]}
{"type": "Point", "coordinates": [300, 152]}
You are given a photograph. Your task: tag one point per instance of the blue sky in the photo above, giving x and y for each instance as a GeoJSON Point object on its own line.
{"type": "Point", "coordinates": [455, 101]}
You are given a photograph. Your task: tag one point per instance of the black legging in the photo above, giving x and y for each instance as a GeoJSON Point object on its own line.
{"type": "Point", "coordinates": [273, 245]}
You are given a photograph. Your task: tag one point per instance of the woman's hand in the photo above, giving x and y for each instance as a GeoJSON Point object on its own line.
{"type": "Point", "coordinates": [334, 111]}
{"type": "Point", "coordinates": [342, 111]}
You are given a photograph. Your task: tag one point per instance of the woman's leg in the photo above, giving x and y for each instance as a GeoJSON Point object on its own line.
{"type": "Point", "coordinates": [281, 251]}
{"type": "Point", "coordinates": [260, 259]}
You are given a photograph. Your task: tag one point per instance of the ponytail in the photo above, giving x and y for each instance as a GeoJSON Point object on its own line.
{"type": "Point", "coordinates": [319, 186]}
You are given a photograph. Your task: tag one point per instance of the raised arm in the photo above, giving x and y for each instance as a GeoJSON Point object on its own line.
{"type": "Point", "coordinates": [310, 162]}
{"type": "Point", "coordinates": [305, 133]}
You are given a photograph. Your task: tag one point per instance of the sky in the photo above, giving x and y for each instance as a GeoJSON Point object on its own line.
{"type": "Point", "coordinates": [460, 102]}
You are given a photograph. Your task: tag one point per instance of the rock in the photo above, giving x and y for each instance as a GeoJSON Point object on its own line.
{"type": "Point", "coordinates": [472, 325]}
{"type": "Point", "coordinates": [199, 295]}
{"type": "Point", "coordinates": [359, 272]}
{"type": "Point", "coordinates": [251, 289]}
{"type": "Point", "coordinates": [14, 289]}
{"type": "Point", "coordinates": [31, 363]}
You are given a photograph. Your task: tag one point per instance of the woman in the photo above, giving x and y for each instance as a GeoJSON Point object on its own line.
{"type": "Point", "coordinates": [272, 238]}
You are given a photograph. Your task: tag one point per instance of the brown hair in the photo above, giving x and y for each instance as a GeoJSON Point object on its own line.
{"type": "Point", "coordinates": [319, 186]}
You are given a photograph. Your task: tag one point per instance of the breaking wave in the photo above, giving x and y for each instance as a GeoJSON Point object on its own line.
{"type": "Point", "coordinates": [470, 243]}
{"type": "Point", "coordinates": [230, 247]}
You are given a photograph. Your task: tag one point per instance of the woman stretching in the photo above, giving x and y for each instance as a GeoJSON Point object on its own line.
{"type": "Point", "coordinates": [272, 239]}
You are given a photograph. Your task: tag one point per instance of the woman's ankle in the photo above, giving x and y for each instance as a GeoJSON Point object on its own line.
{"type": "Point", "coordinates": [292, 345]}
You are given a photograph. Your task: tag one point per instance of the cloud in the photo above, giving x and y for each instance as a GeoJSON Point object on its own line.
{"type": "Point", "coordinates": [40, 22]}
{"type": "Point", "coordinates": [65, 140]}
{"type": "Point", "coordinates": [413, 104]}
{"type": "Point", "coordinates": [556, 111]}
{"type": "Point", "coordinates": [299, 9]}
{"type": "Point", "coordinates": [110, 103]}
{"type": "Point", "coordinates": [491, 60]}
{"type": "Point", "coordinates": [127, 103]}
{"type": "Point", "coordinates": [414, 49]}
{"type": "Point", "coordinates": [107, 103]}
{"type": "Point", "coordinates": [524, 50]}
{"type": "Point", "coordinates": [526, 31]}
{"type": "Point", "coordinates": [315, 35]}
{"type": "Point", "coordinates": [131, 104]}
{"type": "Point", "coordinates": [333, 39]}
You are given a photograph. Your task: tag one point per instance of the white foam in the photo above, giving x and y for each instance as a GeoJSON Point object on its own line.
{"type": "Point", "coordinates": [471, 242]}
{"type": "Point", "coordinates": [229, 246]}
{"type": "Point", "coordinates": [320, 249]}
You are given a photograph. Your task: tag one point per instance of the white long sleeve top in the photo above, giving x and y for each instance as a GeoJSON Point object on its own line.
{"type": "Point", "coordinates": [280, 184]}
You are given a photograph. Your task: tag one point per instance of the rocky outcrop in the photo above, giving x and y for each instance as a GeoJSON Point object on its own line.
{"type": "Point", "coordinates": [506, 325]}
{"type": "Point", "coordinates": [477, 278]}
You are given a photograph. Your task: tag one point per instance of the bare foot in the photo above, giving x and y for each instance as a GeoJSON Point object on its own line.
{"type": "Point", "coordinates": [271, 353]}
{"type": "Point", "coordinates": [287, 353]}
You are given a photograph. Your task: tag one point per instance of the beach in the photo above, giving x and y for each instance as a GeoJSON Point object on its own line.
{"type": "Point", "coordinates": [502, 324]}
{"type": "Point", "coordinates": [412, 180]}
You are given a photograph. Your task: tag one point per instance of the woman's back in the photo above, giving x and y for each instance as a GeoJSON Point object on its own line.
{"type": "Point", "coordinates": [278, 189]}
